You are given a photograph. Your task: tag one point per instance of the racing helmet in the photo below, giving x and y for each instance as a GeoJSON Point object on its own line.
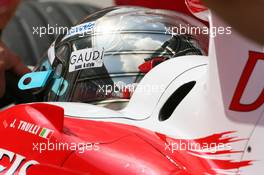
{"type": "Point", "coordinates": [103, 58]}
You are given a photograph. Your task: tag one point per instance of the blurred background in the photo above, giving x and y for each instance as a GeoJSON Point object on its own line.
{"type": "Point", "coordinates": [18, 35]}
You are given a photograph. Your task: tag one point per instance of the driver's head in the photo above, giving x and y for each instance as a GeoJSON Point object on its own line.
{"type": "Point", "coordinates": [100, 58]}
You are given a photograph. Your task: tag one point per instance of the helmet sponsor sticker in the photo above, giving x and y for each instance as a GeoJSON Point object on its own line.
{"type": "Point", "coordinates": [86, 58]}
{"type": "Point", "coordinates": [80, 29]}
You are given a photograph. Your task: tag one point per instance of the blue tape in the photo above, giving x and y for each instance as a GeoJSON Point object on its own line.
{"type": "Point", "coordinates": [46, 64]}
{"type": "Point", "coordinates": [38, 79]}
{"type": "Point", "coordinates": [56, 88]}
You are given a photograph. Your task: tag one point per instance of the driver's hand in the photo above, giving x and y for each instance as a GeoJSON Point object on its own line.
{"type": "Point", "coordinates": [9, 62]}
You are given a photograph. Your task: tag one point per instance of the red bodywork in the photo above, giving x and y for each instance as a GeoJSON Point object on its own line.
{"type": "Point", "coordinates": [182, 6]}
{"type": "Point", "coordinates": [175, 5]}
{"type": "Point", "coordinates": [104, 147]}
{"type": "Point", "coordinates": [7, 9]}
